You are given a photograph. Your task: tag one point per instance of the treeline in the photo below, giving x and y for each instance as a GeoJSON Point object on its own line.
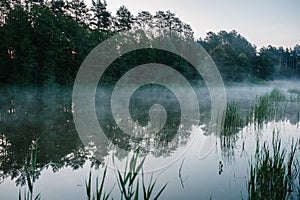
{"type": "Point", "coordinates": [239, 60]}
{"type": "Point", "coordinates": [44, 42]}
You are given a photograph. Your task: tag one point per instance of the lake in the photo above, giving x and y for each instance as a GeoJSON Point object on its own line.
{"type": "Point", "coordinates": [39, 140]}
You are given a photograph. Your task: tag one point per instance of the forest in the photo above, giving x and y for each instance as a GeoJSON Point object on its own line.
{"type": "Point", "coordinates": [44, 43]}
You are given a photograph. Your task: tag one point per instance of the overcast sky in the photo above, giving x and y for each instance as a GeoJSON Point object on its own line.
{"type": "Point", "coordinates": [262, 22]}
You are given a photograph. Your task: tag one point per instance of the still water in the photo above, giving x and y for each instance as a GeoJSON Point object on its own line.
{"type": "Point", "coordinates": [42, 119]}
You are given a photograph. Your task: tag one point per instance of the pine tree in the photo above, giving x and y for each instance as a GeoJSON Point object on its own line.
{"type": "Point", "coordinates": [144, 20]}
{"type": "Point", "coordinates": [101, 18]}
{"type": "Point", "coordinates": [78, 10]}
{"type": "Point", "coordinates": [124, 19]}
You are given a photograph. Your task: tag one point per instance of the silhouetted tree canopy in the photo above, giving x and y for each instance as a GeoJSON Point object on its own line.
{"type": "Point", "coordinates": [44, 42]}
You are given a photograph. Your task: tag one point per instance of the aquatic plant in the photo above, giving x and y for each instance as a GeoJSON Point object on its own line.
{"type": "Point", "coordinates": [129, 182]}
{"type": "Point", "coordinates": [276, 95]}
{"type": "Point", "coordinates": [31, 174]}
{"type": "Point", "coordinates": [268, 108]}
{"type": "Point", "coordinates": [233, 120]}
{"type": "Point", "coordinates": [99, 193]}
{"type": "Point", "coordinates": [272, 173]}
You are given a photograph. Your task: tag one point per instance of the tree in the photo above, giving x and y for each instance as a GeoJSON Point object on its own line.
{"type": "Point", "coordinates": [101, 18]}
{"type": "Point", "coordinates": [168, 24]}
{"type": "Point", "coordinates": [188, 32]}
{"type": "Point", "coordinates": [78, 10]}
{"type": "Point", "coordinates": [20, 56]}
{"type": "Point", "coordinates": [30, 3]}
{"type": "Point", "coordinates": [4, 10]}
{"type": "Point", "coordinates": [57, 6]}
{"type": "Point", "coordinates": [233, 54]}
{"type": "Point", "coordinates": [124, 19]}
{"type": "Point", "coordinates": [144, 20]}
{"type": "Point", "coordinates": [159, 19]}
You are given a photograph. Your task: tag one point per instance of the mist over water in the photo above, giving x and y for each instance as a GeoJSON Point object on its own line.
{"type": "Point", "coordinates": [30, 113]}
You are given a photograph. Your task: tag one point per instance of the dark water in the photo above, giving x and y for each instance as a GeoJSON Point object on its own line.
{"type": "Point", "coordinates": [30, 116]}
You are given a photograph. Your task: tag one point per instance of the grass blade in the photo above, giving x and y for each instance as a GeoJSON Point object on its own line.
{"type": "Point", "coordinates": [136, 196]}
{"type": "Point", "coordinates": [88, 186]}
{"type": "Point", "coordinates": [156, 197]}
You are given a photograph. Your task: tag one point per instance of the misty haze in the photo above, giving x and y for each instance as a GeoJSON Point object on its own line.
{"type": "Point", "coordinates": [133, 104]}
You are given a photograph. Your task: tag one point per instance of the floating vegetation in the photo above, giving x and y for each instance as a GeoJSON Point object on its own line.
{"type": "Point", "coordinates": [273, 173]}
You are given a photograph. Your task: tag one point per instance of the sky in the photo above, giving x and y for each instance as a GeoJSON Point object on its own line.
{"type": "Point", "coordinates": [261, 22]}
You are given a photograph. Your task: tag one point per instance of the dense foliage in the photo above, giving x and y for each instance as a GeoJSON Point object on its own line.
{"type": "Point", "coordinates": [44, 42]}
{"type": "Point", "coordinates": [238, 59]}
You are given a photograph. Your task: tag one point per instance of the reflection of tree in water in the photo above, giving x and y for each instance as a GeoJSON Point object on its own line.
{"type": "Point", "coordinates": [45, 115]}
{"type": "Point", "coordinates": [228, 147]}
{"type": "Point", "coordinates": [146, 135]}
{"type": "Point", "coordinates": [155, 146]}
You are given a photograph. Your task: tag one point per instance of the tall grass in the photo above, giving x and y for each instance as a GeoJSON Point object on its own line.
{"type": "Point", "coordinates": [98, 193]}
{"type": "Point", "coordinates": [233, 120]}
{"type": "Point", "coordinates": [273, 172]}
{"type": "Point", "coordinates": [267, 108]}
{"type": "Point", "coordinates": [128, 182]}
{"type": "Point", "coordinates": [31, 174]}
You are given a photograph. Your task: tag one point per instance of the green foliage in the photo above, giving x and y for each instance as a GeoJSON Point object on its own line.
{"type": "Point", "coordinates": [270, 106]}
{"type": "Point", "coordinates": [237, 59]}
{"type": "Point", "coordinates": [32, 172]}
{"type": "Point", "coordinates": [101, 19]}
{"type": "Point", "coordinates": [233, 119]}
{"type": "Point", "coordinates": [45, 43]}
{"type": "Point", "coordinates": [124, 19]}
{"type": "Point", "coordinates": [99, 193]}
{"type": "Point", "coordinates": [271, 176]}
{"type": "Point", "coordinates": [267, 108]}
{"type": "Point", "coordinates": [232, 53]}
{"type": "Point", "coordinates": [129, 183]}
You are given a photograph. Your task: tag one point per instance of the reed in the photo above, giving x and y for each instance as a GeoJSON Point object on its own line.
{"type": "Point", "coordinates": [98, 193]}
{"type": "Point", "coordinates": [273, 172]}
{"type": "Point", "coordinates": [31, 173]}
{"type": "Point", "coordinates": [233, 120]}
{"type": "Point", "coordinates": [268, 108]}
{"type": "Point", "coordinates": [129, 183]}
